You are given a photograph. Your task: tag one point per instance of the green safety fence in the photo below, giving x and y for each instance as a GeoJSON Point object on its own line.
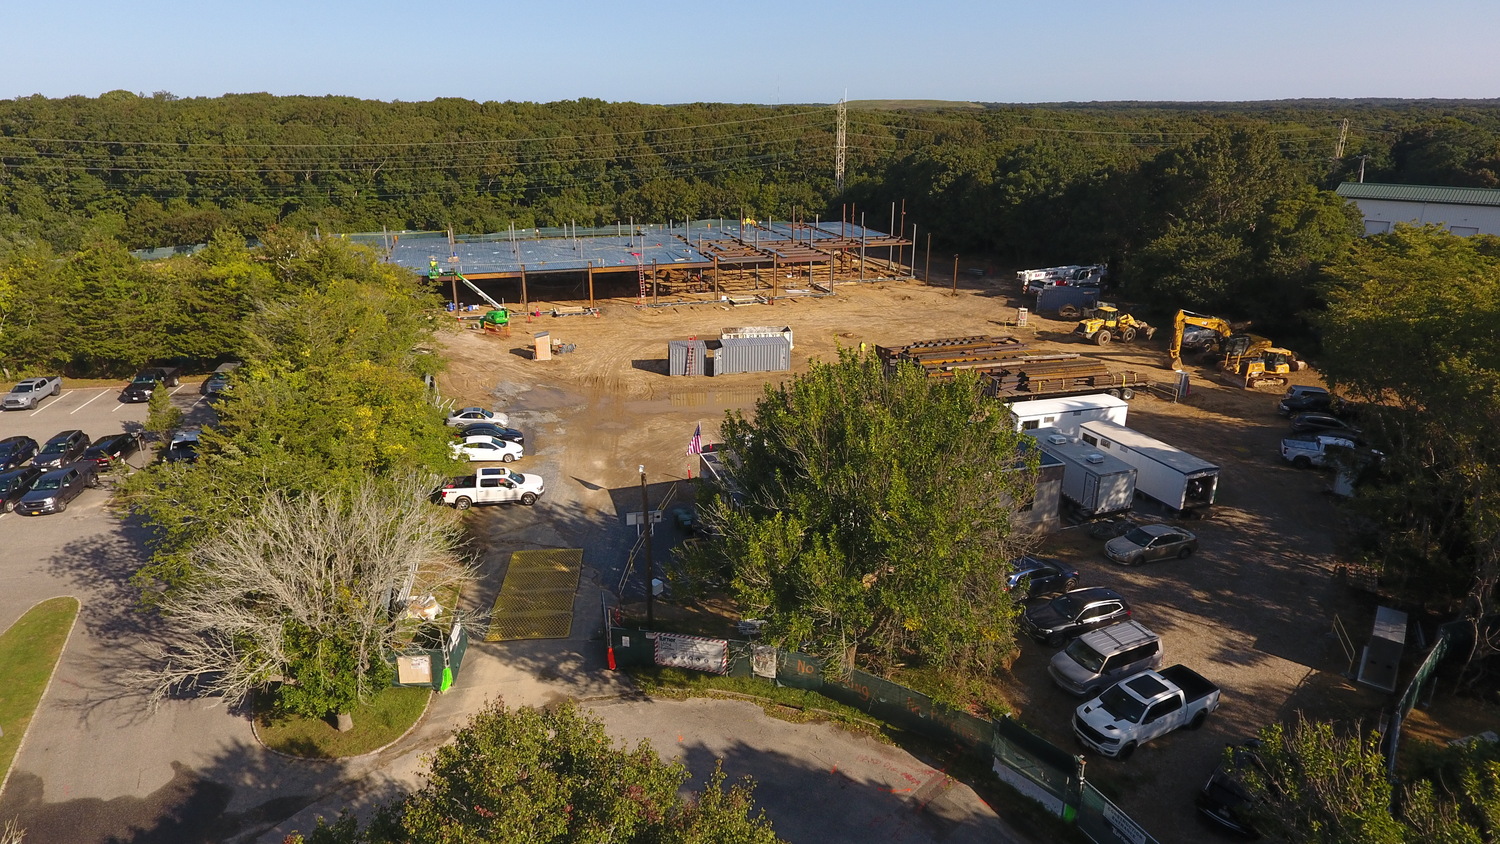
{"type": "Point", "coordinates": [1034, 766]}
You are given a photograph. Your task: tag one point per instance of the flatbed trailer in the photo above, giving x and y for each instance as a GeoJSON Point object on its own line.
{"type": "Point", "coordinates": [1041, 381]}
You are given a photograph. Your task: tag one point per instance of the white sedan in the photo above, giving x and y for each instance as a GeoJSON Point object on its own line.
{"type": "Point", "coordinates": [473, 415]}
{"type": "Point", "coordinates": [482, 449]}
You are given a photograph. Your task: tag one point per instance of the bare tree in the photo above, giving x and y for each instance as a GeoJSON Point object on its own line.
{"type": "Point", "coordinates": [301, 594]}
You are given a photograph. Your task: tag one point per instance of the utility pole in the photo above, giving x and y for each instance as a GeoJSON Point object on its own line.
{"type": "Point", "coordinates": [650, 569]}
{"type": "Point", "coordinates": [1362, 159]}
{"type": "Point", "coordinates": [955, 275]}
{"type": "Point", "coordinates": [839, 146]}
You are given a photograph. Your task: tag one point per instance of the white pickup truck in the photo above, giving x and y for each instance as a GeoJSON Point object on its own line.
{"type": "Point", "coordinates": [1307, 450]}
{"type": "Point", "coordinates": [26, 394]}
{"type": "Point", "coordinates": [492, 486]}
{"type": "Point", "coordinates": [1142, 707]}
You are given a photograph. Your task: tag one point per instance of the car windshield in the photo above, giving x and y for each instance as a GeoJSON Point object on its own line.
{"type": "Point", "coordinates": [1066, 605]}
{"type": "Point", "coordinates": [1139, 537]}
{"type": "Point", "coordinates": [1085, 656]}
{"type": "Point", "coordinates": [1118, 703]}
{"type": "Point", "coordinates": [55, 448]}
{"type": "Point", "coordinates": [144, 379]}
{"type": "Point", "coordinates": [48, 483]}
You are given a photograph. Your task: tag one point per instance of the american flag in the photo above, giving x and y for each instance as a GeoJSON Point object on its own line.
{"type": "Point", "coordinates": [696, 446]}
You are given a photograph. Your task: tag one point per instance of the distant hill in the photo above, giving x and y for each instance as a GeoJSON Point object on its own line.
{"type": "Point", "coordinates": [913, 105]}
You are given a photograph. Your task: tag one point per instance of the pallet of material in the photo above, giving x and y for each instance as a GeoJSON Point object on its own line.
{"type": "Point", "coordinates": [1039, 381]}
{"type": "Point", "coordinates": [993, 363]}
{"type": "Point", "coordinates": [889, 353]}
{"type": "Point", "coordinates": [575, 311]}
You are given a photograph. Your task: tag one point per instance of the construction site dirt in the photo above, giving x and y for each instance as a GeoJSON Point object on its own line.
{"type": "Point", "coordinates": [1253, 610]}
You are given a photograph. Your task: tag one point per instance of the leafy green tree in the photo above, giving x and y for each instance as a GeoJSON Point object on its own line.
{"type": "Point", "coordinates": [1451, 151]}
{"type": "Point", "coordinates": [161, 415]}
{"type": "Point", "coordinates": [555, 777]}
{"type": "Point", "coordinates": [1312, 782]}
{"type": "Point", "coordinates": [1315, 785]}
{"type": "Point", "coordinates": [330, 396]}
{"type": "Point", "coordinates": [1428, 303]}
{"type": "Point", "coordinates": [298, 597]}
{"type": "Point", "coordinates": [872, 516]}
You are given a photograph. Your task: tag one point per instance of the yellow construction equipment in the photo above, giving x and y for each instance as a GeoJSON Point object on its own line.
{"type": "Point", "coordinates": [1106, 323]}
{"type": "Point", "coordinates": [1249, 357]}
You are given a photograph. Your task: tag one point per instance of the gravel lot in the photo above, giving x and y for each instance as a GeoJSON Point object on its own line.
{"type": "Point", "coordinates": [1252, 610]}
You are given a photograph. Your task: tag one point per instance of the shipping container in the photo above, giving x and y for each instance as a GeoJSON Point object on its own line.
{"type": "Point", "coordinates": [753, 354]}
{"type": "Point", "coordinates": [1067, 414]}
{"type": "Point", "coordinates": [759, 331]}
{"type": "Point", "coordinates": [686, 357]}
{"type": "Point", "coordinates": [1167, 473]}
{"type": "Point", "coordinates": [1095, 483]}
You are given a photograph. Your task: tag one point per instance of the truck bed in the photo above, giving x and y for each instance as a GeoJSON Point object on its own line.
{"type": "Point", "coordinates": [1194, 686]}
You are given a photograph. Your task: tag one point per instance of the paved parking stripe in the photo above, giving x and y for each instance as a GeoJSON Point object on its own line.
{"type": "Point", "coordinates": [86, 404]}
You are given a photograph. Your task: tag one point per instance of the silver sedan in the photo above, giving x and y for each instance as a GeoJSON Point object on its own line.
{"type": "Point", "coordinates": [1151, 542]}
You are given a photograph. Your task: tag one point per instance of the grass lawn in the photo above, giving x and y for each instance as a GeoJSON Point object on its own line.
{"type": "Point", "coordinates": [389, 714]}
{"type": "Point", "coordinates": [28, 653]}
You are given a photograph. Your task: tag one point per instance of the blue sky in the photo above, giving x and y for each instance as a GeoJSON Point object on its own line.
{"type": "Point", "coordinates": [1037, 51]}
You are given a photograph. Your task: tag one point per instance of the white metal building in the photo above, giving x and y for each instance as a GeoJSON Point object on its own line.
{"type": "Point", "coordinates": [1463, 211]}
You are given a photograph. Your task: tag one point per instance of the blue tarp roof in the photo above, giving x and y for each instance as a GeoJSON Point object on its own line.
{"type": "Point", "coordinates": [554, 250]}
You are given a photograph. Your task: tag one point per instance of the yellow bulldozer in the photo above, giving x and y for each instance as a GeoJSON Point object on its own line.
{"type": "Point", "coordinates": [1105, 323]}
{"type": "Point", "coordinates": [1250, 358]}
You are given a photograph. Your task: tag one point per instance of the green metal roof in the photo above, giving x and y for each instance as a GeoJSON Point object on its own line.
{"type": "Point", "coordinates": [1420, 193]}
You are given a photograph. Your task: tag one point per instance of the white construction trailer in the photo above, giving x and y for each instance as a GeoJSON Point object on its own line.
{"type": "Point", "coordinates": [1067, 414]}
{"type": "Point", "coordinates": [1166, 473]}
{"type": "Point", "coordinates": [1094, 483]}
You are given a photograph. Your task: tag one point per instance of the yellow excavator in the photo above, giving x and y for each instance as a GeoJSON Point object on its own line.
{"type": "Point", "coordinates": [1105, 323]}
{"type": "Point", "coordinates": [1255, 359]}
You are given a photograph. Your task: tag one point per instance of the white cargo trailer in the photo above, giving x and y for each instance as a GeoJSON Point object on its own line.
{"type": "Point", "coordinates": [1095, 483]}
{"type": "Point", "coordinates": [1067, 414]}
{"type": "Point", "coordinates": [1164, 472]}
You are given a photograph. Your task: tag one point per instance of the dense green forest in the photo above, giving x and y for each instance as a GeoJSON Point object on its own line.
{"type": "Point", "coordinates": [1218, 207]}
{"type": "Point", "coordinates": [1026, 182]}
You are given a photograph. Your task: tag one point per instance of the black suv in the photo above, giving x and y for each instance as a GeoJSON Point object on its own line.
{"type": "Point", "coordinates": [1301, 399]}
{"type": "Point", "coordinates": [52, 491]}
{"type": "Point", "coordinates": [1073, 614]}
{"type": "Point", "coordinates": [62, 449]}
{"type": "Point", "coordinates": [16, 483]}
{"type": "Point", "coordinates": [16, 450]}
{"type": "Point", "coordinates": [1040, 575]}
{"type": "Point", "coordinates": [144, 385]}
{"type": "Point", "coordinates": [108, 449]}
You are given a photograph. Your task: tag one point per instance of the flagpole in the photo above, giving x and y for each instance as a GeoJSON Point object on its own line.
{"type": "Point", "coordinates": [695, 447]}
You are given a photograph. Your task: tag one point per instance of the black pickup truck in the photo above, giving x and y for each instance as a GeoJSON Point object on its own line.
{"type": "Point", "coordinates": [144, 384]}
